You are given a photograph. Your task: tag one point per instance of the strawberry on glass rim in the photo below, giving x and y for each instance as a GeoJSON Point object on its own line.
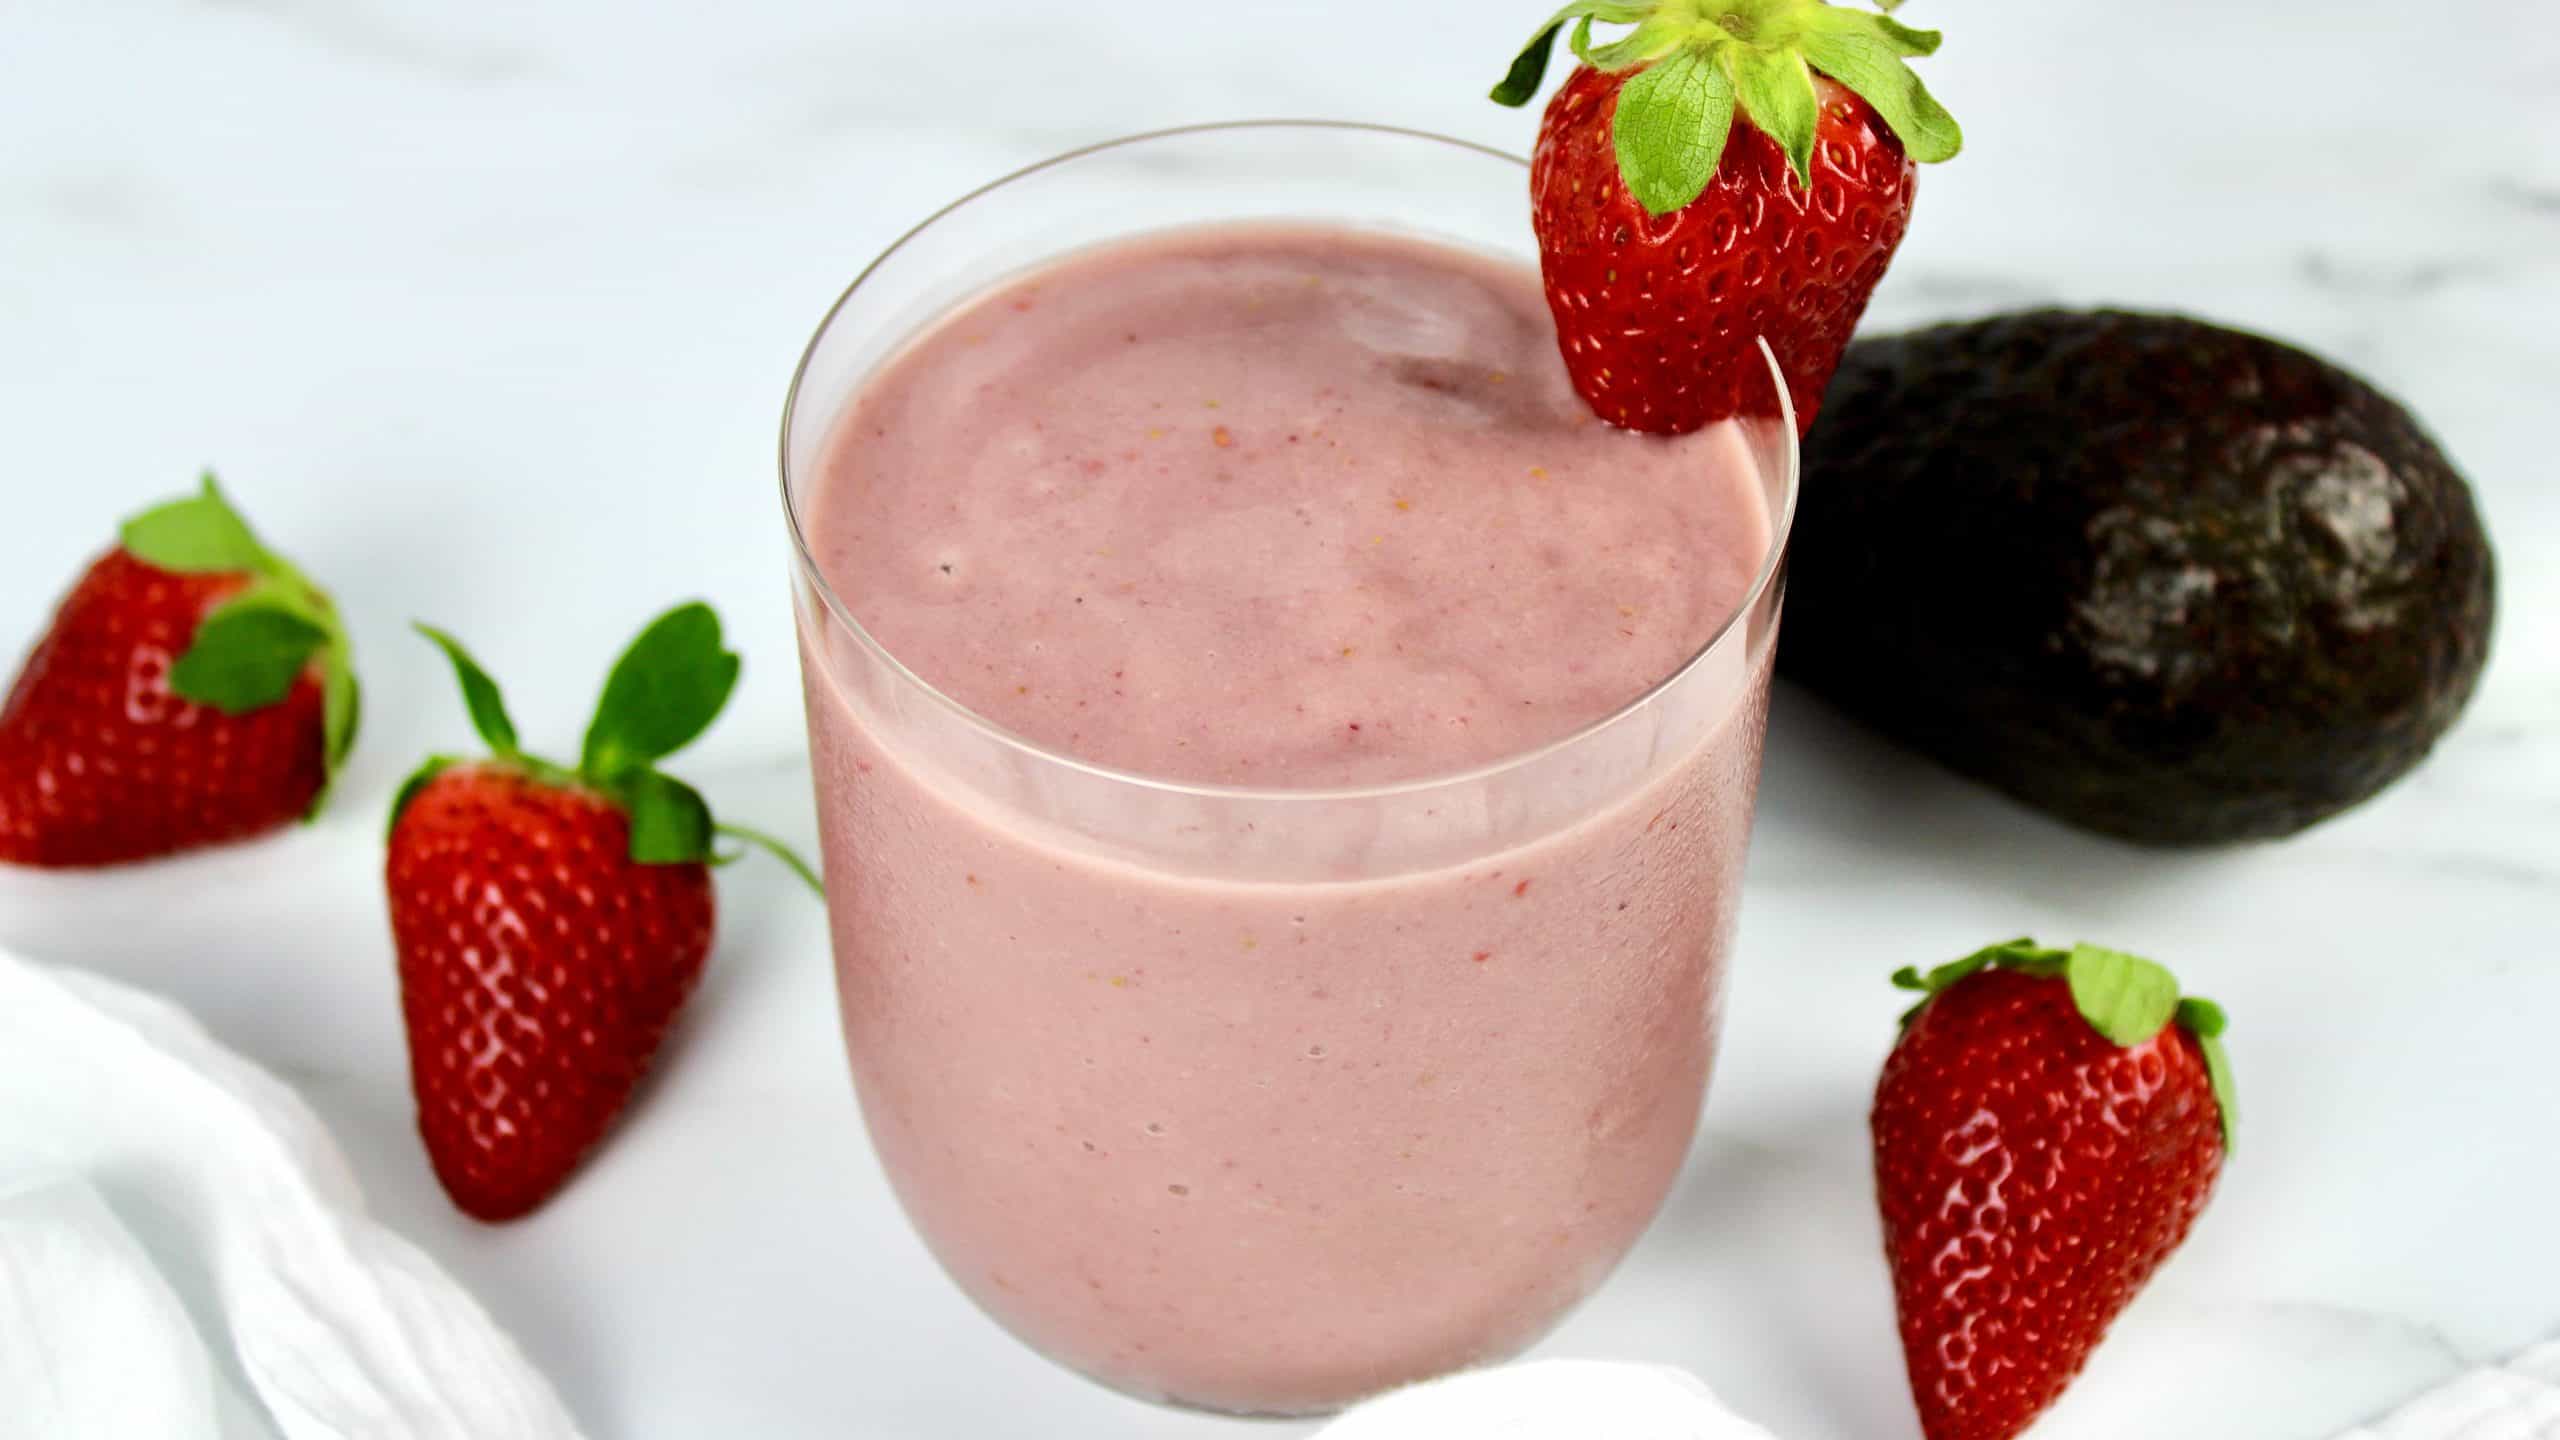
{"type": "Point", "coordinates": [1728, 171]}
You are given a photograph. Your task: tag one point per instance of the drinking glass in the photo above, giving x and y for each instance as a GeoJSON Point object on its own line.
{"type": "Point", "coordinates": [1263, 1100]}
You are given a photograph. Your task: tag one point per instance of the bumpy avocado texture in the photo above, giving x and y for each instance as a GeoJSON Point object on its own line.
{"type": "Point", "coordinates": [2167, 581]}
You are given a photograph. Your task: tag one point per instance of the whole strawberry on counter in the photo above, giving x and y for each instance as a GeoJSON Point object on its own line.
{"type": "Point", "coordinates": [1728, 171]}
{"type": "Point", "coordinates": [193, 688]}
{"type": "Point", "coordinates": [2047, 1130]}
{"type": "Point", "coordinates": [551, 921]}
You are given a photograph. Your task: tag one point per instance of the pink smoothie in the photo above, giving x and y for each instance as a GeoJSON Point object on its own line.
{"type": "Point", "coordinates": [1290, 509]}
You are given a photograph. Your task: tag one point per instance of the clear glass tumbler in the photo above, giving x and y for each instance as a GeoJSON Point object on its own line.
{"type": "Point", "coordinates": [1197, 1089]}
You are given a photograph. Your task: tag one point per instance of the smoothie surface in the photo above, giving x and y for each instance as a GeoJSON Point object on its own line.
{"type": "Point", "coordinates": [1277, 506]}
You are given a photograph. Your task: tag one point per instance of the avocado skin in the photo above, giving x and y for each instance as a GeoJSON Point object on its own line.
{"type": "Point", "coordinates": [2166, 581]}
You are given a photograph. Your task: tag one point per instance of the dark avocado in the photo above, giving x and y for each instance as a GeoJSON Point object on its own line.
{"type": "Point", "coordinates": [2167, 581]}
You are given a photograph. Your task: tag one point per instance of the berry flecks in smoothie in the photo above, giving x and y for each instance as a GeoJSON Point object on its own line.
{"type": "Point", "coordinates": [1284, 506]}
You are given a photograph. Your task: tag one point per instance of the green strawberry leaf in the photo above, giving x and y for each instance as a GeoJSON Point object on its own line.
{"type": "Point", "coordinates": [341, 704]}
{"type": "Point", "coordinates": [418, 780]}
{"type": "Point", "coordinates": [1529, 68]}
{"type": "Point", "coordinates": [2204, 1020]}
{"type": "Point", "coordinates": [1757, 45]}
{"type": "Point", "coordinates": [778, 850]}
{"type": "Point", "coordinates": [1905, 42]}
{"type": "Point", "coordinates": [670, 822]}
{"type": "Point", "coordinates": [2020, 953]}
{"type": "Point", "coordinates": [1651, 40]}
{"type": "Point", "coordinates": [2124, 997]}
{"type": "Point", "coordinates": [479, 694]}
{"type": "Point", "coordinates": [341, 709]}
{"type": "Point", "coordinates": [249, 650]}
{"type": "Point", "coordinates": [2023, 955]}
{"type": "Point", "coordinates": [1910, 978]}
{"type": "Point", "coordinates": [666, 690]}
{"type": "Point", "coordinates": [1776, 91]}
{"type": "Point", "coordinates": [1865, 53]}
{"type": "Point", "coordinates": [2217, 1070]}
{"type": "Point", "coordinates": [198, 535]}
{"type": "Point", "coordinates": [1673, 120]}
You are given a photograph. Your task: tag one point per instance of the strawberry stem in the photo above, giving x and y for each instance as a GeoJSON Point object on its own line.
{"type": "Point", "coordinates": [479, 694]}
{"type": "Point", "coordinates": [774, 847]}
{"type": "Point", "coordinates": [668, 686]}
{"type": "Point", "coordinates": [2125, 998]}
{"type": "Point", "coordinates": [1706, 62]}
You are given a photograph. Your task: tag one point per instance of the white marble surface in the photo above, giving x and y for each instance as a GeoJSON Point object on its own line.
{"type": "Point", "coordinates": [487, 313]}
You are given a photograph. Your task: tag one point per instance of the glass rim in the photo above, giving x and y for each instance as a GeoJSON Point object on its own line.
{"type": "Point", "coordinates": [1781, 519]}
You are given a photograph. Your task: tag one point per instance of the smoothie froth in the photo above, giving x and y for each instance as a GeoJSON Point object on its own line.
{"type": "Point", "coordinates": [1275, 507]}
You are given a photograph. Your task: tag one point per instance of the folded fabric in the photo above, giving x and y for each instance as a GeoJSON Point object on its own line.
{"type": "Point", "coordinates": [145, 1166]}
{"type": "Point", "coordinates": [1573, 1399]}
{"type": "Point", "coordinates": [2519, 1400]}
{"type": "Point", "coordinates": [184, 1255]}
{"type": "Point", "coordinates": [1550, 1400]}
{"type": "Point", "coordinates": [97, 1343]}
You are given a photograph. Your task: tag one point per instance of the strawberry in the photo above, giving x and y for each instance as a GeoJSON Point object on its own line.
{"type": "Point", "coordinates": [2047, 1129]}
{"type": "Point", "coordinates": [551, 922]}
{"type": "Point", "coordinates": [193, 688]}
{"type": "Point", "coordinates": [1731, 171]}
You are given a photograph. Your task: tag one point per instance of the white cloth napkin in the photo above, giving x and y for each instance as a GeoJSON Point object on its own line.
{"type": "Point", "coordinates": [1550, 1400]}
{"type": "Point", "coordinates": [2519, 1400]}
{"type": "Point", "coordinates": [184, 1254]}
{"type": "Point", "coordinates": [1572, 1399]}
{"type": "Point", "coordinates": [144, 1167]}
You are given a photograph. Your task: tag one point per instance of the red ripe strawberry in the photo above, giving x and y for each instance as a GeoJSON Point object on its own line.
{"type": "Point", "coordinates": [550, 922]}
{"type": "Point", "coordinates": [193, 688]}
{"type": "Point", "coordinates": [1729, 172]}
{"type": "Point", "coordinates": [2046, 1132]}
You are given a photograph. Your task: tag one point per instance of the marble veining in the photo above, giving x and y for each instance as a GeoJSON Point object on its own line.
{"type": "Point", "coordinates": [487, 317]}
{"type": "Point", "coordinates": [2422, 278]}
{"type": "Point", "coordinates": [2533, 199]}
